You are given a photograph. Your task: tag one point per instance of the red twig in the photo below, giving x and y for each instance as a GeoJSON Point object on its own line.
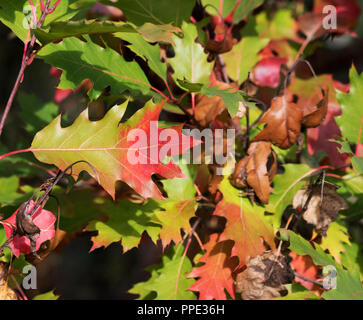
{"type": "Point", "coordinates": [25, 62]}
{"type": "Point", "coordinates": [193, 101]}
{"type": "Point", "coordinates": [54, 6]}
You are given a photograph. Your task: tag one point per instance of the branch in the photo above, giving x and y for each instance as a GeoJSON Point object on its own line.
{"type": "Point", "coordinates": [26, 60]}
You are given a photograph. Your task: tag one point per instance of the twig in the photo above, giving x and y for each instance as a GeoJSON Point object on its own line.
{"type": "Point", "coordinates": [223, 68]}
{"type": "Point", "coordinates": [23, 296]}
{"type": "Point", "coordinates": [308, 279]}
{"type": "Point", "coordinates": [27, 58]}
{"type": "Point", "coordinates": [247, 116]}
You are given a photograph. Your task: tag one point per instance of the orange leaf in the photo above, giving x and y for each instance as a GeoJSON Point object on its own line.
{"type": "Point", "coordinates": [216, 274]}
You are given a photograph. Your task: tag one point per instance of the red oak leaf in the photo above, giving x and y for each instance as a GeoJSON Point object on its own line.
{"type": "Point", "coordinates": [131, 151]}
{"type": "Point", "coordinates": [319, 138]}
{"type": "Point", "coordinates": [304, 266]}
{"type": "Point", "coordinates": [246, 229]}
{"type": "Point", "coordinates": [215, 275]}
{"type": "Point", "coordinates": [267, 72]}
{"type": "Point", "coordinates": [153, 150]}
{"type": "Point", "coordinates": [43, 219]}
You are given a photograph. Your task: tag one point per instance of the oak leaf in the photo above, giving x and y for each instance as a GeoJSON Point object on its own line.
{"type": "Point", "coordinates": [111, 150]}
{"type": "Point", "coordinates": [215, 275]}
{"type": "Point", "coordinates": [258, 175]}
{"type": "Point", "coordinates": [265, 277]}
{"type": "Point", "coordinates": [245, 225]}
{"type": "Point", "coordinates": [267, 72]}
{"type": "Point", "coordinates": [283, 123]}
{"type": "Point", "coordinates": [304, 265]}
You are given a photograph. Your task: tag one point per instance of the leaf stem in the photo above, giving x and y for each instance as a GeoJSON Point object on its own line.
{"type": "Point", "coordinates": [14, 152]}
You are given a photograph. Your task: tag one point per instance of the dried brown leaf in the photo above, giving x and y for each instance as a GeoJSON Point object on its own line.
{"type": "Point", "coordinates": [264, 277]}
{"type": "Point", "coordinates": [256, 169]}
{"type": "Point", "coordinates": [315, 115]}
{"type": "Point", "coordinates": [283, 123]}
{"type": "Point", "coordinates": [321, 211]}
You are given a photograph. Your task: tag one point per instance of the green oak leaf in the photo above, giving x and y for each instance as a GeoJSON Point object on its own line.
{"type": "Point", "coordinates": [351, 120]}
{"type": "Point", "coordinates": [64, 29]}
{"type": "Point", "coordinates": [357, 163]}
{"type": "Point", "coordinates": [77, 208]}
{"type": "Point", "coordinates": [281, 26]}
{"type": "Point", "coordinates": [213, 7]}
{"type": "Point", "coordinates": [81, 60]}
{"type": "Point", "coordinates": [351, 189]}
{"type": "Point", "coordinates": [243, 57]}
{"type": "Point", "coordinates": [352, 258]}
{"type": "Point", "coordinates": [11, 193]}
{"type": "Point", "coordinates": [17, 15]}
{"type": "Point", "coordinates": [298, 292]}
{"type": "Point", "coordinates": [190, 62]}
{"type": "Point", "coordinates": [242, 10]}
{"type": "Point", "coordinates": [154, 11]}
{"type": "Point", "coordinates": [245, 8]}
{"type": "Point", "coordinates": [232, 100]}
{"type": "Point", "coordinates": [336, 239]}
{"type": "Point", "coordinates": [348, 286]}
{"type": "Point", "coordinates": [46, 296]}
{"type": "Point", "coordinates": [168, 279]}
{"type": "Point", "coordinates": [126, 223]}
{"type": "Point", "coordinates": [175, 214]}
{"type": "Point", "coordinates": [149, 53]}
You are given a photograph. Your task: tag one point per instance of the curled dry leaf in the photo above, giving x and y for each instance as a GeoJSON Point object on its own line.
{"type": "Point", "coordinates": [6, 293]}
{"type": "Point", "coordinates": [223, 41]}
{"type": "Point", "coordinates": [315, 115]}
{"type": "Point", "coordinates": [283, 123]}
{"type": "Point", "coordinates": [309, 95]}
{"type": "Point", "coordinates": [258, 176]}
{"type": "Point", "coordinates": [265, 277]}
{"type": "Point", "coordinates": [238, 177]}
{"type": "Point", "coordinates": [257, 169]}
{"type": "Point", "coordinates": [323, 207]}
{"type": "Point", "coordinates": [314, 104]}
